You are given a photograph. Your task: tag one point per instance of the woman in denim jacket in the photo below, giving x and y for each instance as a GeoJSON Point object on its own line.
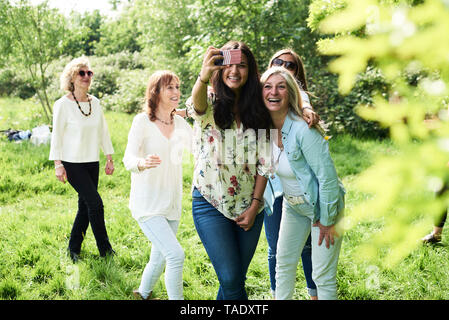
{"type": "Point", "coordinates": [313, 194]}
{"type": "Point", "coordinates": [290, 60]}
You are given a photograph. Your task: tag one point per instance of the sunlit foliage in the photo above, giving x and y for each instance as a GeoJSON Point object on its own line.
{"type": "Point", "coordinates": [408, 42]}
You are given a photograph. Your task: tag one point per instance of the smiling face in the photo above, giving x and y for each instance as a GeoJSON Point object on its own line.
{"type": "Point", "coordinates": [289, 59]}
{"type": "Point", "coordinates": [275, 94]}
{"type": "Point", "coordinates": [235, 75]}
{"type": "Point", "coordinates": [170, 95]}
{"type": "Point", "coordinates": [82, 82]}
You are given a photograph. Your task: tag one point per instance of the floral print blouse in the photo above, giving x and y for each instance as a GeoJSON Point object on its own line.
{"type": "Point", "coordinates": [226, 162]}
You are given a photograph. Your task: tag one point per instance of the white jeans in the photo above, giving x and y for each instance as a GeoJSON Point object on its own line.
{"type": "Point", "coordinates": [166, 250]}
{"type": "Point", "coordinates": [296, 225]}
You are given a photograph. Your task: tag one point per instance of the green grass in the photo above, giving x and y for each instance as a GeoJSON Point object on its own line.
{"type": "Point", "coordinates": [37, 212]}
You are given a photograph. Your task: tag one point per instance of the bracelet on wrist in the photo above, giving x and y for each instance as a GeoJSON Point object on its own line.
{"type": "Point", "coordinates": [257, 199]}
{"type": "Point", "coordinates": [205, 82]}
{"type": "Point", "coordinates": [307, 107]}
{"type": "Point", "coordinates": [59, 166]}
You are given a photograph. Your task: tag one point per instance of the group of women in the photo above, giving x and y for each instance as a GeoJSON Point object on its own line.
{"type": "Point", "coordinates": [235, 112]}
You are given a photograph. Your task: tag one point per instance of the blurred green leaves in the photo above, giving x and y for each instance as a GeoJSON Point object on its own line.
{"type": "Point", "coordinates": [409, 44]}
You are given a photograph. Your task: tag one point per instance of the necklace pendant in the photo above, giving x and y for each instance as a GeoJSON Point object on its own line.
{"type": "Point", "coordinates": [79, 107]}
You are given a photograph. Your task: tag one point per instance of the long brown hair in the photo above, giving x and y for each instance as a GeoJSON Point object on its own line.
{"type": "Point", "coordinates": [157, 81]}
{"type": "Point", "coordinates": [253, 113]}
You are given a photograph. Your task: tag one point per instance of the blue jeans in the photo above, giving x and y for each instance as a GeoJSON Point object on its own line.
{"type": "Point", "coordinates": [272, 224]}
{"type": "Point", "coordinates": [228, 246]}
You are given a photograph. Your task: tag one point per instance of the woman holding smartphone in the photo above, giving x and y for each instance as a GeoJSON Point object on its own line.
{"type": "Point", "coordinates": [227, 204]}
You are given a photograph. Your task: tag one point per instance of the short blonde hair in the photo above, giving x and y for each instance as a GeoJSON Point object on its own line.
{"type": "Point", "coordinates": [70, 69]}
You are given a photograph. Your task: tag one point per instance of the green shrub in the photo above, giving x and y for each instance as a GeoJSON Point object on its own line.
{"type": "Point", "coordinates": [9, 289]}
{"type": "Point", "coordinates": [107, 70]}
{"type": "Point", "coordinates": [14, 82]}
{"type": "Point", "coordinates": [130, 95]}
{"type": "Point", "coordinates": [339, 111]}
{"type": "Point", "coordinates": [105, 81]}
{"type": "Point", "coordinates": [123, 60]}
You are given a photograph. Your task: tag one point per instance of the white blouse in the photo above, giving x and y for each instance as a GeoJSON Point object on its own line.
{"type": "Point", "coordinates": [75, 137]}
{"type": "Point", "coordinates": [284, 171]}
{"type": "Point", "coordinates": [156, 191]}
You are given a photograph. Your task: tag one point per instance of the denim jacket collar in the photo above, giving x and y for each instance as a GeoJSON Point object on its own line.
{"type": "Point", "coordinates": [287, 123]}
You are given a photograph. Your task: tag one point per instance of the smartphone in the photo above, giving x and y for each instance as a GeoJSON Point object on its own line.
{"type": "Point", "coordinates": [233, 56]}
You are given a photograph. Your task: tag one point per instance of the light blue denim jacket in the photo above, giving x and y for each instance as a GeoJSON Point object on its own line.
{"type": "Point", "coordinates": [272, 191]}
{"type": "Point", "coordinates": [310, 160]}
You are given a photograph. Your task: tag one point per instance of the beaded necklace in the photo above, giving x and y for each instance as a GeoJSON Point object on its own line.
{"type": "Point", "coordinates": [167, 123]}
{"type": "Point", "coordinates": [79, 107]}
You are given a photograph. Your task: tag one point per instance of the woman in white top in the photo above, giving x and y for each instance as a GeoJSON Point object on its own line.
{"type": "Point", "coordinates": [154, 152]}
{"type": "Point", "coordinates": [79, 131]}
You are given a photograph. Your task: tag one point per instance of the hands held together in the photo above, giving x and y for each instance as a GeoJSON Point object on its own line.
{"type": "Point", "coordinates": [151, 161]}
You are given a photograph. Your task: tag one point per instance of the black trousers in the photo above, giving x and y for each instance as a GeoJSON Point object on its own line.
{"type": "Point", "coordinates": [83, 177]}
{"type": "Point", "coordinates": [442, 219]}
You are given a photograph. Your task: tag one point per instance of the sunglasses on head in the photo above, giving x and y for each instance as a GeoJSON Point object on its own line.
{"type": "Point", "coordinates": [82, 73]}
{"type": "Point", "coordinates": [289, 65]}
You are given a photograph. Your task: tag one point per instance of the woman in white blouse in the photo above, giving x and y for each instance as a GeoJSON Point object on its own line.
{"type": "Point", "coordinates": [154, 152]}
{"type": "Point", "coordinates": [79, 131]}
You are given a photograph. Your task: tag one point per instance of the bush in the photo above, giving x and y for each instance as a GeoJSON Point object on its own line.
{"type": "Point", "coordinates": [339, 111]}
{"type": "Point", "coordinates": [106, 69]}
{"type": "Point", "coordinates": [14, 82]}
{"type": "Point", "coordinates": [130, 95]}
{"type": "Point", "coordinates": [105, 80]}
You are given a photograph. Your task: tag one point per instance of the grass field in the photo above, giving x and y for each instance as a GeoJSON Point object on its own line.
{"type": "Point", "coordinates": [37, 212]}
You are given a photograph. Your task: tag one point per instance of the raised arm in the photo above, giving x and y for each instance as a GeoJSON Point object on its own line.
{"type": "Point", "coordinates": [199, 91]}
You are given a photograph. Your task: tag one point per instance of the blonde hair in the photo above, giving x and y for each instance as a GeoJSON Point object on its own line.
{"type": "Point", "coordinates": [156, 82]}
{"type": "Point", "coordinates": [294, 95]}
{"type": "Point", "coordinates": [70, 70]}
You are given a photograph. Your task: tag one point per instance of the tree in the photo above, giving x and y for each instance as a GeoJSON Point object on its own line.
{"type": "Point", "coordinates": [176, 33]}
{"type": "Point", "coordinates": [85, 33]}
{"type": "Point", "coordinates": [265, 26]}
{"type": "Point", "coordinates": [408, 42]}
{"type": "Point", "coordinates": [118, 35]}
{"type": "Point", "coordinates": [32, 38]}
